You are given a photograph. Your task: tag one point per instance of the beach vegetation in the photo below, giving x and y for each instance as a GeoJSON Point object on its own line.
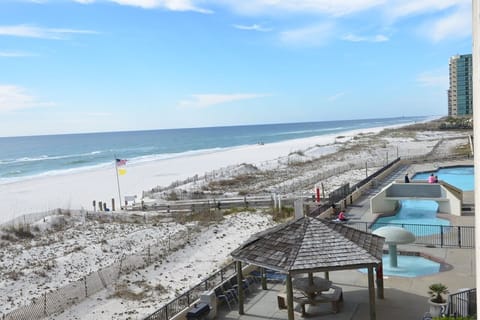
{"type": "Point", "coordinates": [298, 153]}
{"type": "Point", "coordinates": [463, 149]}
{"type": "Point", "coordinates": [20, 231]}
{"type": "Point", "coordinates": [456, 123]}
{"type": "Point", "coordinates": [283, 214]}
{"type": "Point", "coordinates": [237, 181]}
{"type": "Point", "coordinates": [14, 275]}
{"type": "Point", "coordinates": [123, 292]}
{"type": "Point", "coordinates": [172, 196]}
{"type": "Point", "coordinates": [238, 210]}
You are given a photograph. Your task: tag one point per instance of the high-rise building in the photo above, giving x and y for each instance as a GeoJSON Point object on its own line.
{"type": "Point", "coordinates": [460, 91]}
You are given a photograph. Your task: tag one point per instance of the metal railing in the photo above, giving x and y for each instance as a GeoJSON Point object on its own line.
{"type": "Point", "coordinates": [430, 235]}
{"type": "Point", "coordinates": [180, 303]}
{"type": "Point", "coordinates": [463, 303]}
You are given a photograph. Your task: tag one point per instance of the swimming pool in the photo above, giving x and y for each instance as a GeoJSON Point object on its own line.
{"type": "Point", "coordinates": [412, 213]}
{"type": "Point", "coordinates": [408, 266]}
{"type": "Point", "coordinates": [460, 177]}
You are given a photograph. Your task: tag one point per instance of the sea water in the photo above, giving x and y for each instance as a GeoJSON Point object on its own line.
{"type": "Point", "coordinates": [23, 157]}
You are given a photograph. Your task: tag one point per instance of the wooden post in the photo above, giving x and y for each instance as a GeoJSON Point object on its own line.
{"type": "Point", "coordinates": [113, 204]}
{"type": "Point", "coordinates": [94, 206]}
{"type": "Point", "coordinates": [379, 270]}
{"type": "Point", "coordinates": [289, 288]}
{"type": "Point", "coordinates": [241, 296]}
{"type": "Point", "coordinates": [371, 294]}
{"type": "Point", "coordinates": [264, 278]}
{"type": "Point", "coordinates": [327, 275]}
{"type": "Point", "coordinates": [45, 303]}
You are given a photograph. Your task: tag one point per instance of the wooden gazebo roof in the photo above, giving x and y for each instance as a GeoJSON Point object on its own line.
{"type": "Point", "coordinates": [311, 245]}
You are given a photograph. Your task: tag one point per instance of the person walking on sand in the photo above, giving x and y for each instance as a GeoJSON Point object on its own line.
{"type": "Point", "coordinates": [431, 178]}
{"type": "Point", "coordinates": [407, 179]}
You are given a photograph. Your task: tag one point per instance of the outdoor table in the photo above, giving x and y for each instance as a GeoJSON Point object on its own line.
{"type": "Point", "coordinates": [311, 286]}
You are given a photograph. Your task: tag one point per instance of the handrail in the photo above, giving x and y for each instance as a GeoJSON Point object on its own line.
{"type": "Point", "coordinates": [183, 301]}
{"type": "Point", "coordinates": [463, 303]}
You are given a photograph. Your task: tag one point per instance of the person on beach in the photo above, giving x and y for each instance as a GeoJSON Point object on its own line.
{"type": "Point", "coordinates": [435, 179]}
{"type": "Point", "coordinates": [431, 178]}
{"type": "Point", "coordinates": [407, 179]}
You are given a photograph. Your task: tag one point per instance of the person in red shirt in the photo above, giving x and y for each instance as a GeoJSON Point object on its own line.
{"type": "Point", "coordinates": [341, 216]}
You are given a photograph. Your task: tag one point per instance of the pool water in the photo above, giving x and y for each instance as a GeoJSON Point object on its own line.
{"type": "Point", "coordinates": [460, 177]}
{"type": "Point", "coordinates": [408, 266]}
{"type": "Point", "coordinates": [415, 212]}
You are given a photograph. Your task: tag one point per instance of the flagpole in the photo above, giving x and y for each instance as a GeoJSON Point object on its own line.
{"type": "Point", "coordinates": [118, 184]}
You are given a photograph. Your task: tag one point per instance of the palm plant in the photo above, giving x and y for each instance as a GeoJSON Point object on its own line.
{"type": "Point", "coordinates": [436, 291]}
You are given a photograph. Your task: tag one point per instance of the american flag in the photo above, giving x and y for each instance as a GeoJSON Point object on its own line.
{"type": "Point", "coordinates": [120, 162]}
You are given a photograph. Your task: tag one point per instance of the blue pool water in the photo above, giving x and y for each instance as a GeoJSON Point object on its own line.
{"type": "Point", "coordinates": [415, 212]}
{"type": "Point", "coordinates": [409, 266]}
{"type": "Point", "coordinates": [460, 177]}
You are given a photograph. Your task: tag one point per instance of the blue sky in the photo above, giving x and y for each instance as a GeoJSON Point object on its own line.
{"type": "Point", "coordinates": [107, 65]}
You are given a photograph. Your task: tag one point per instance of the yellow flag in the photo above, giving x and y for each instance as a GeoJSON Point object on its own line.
{"type": "Point", "coordinates": [122, 171]}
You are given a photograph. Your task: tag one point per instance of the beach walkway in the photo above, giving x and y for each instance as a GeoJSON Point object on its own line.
{"type": "Point", "coordinates": [404, 298]}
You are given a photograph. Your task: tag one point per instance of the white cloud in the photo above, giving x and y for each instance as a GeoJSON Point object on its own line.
{"type": "Point", "coordinates": [38, 32]}
{"type": "Point", "coordinates": [14, 54]}
{"type": "Point", "coordinates": [402, 8]}
{"type": "Point", "coordinates": [456, 25]}
{"type": "Point", "coordinates": [16, 98]}
{"type": "Point", "coordinates": [313, 35]}
{"type": "Point", "coordinates": [336, 8]}
{"type": "Point", "coordinates": [354, 38]}
{"type": "Point", "coordinates": [336, 96]}
{"type": "Point", "coordinates": [174, 5]}
{"type": "Point", "coordinates": [253, 27]}
{"type": "Point", "coordinates": [97, 114]}
{"type": "Point", "coordinates": [207, 100]}
{"type": "Point", "coordinates": [435, 78]}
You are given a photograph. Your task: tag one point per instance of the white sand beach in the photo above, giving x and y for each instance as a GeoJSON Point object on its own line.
{"type": "Point", "coordinates": [78, 190]}
{"type": "Point", "coordinates": [66, 251]}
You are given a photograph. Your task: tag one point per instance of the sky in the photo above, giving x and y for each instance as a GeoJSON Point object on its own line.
{"type": "Point", "coordinates": [70, 66]}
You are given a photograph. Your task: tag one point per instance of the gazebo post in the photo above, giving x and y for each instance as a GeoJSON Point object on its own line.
{"type": "Point", "coordinates": [240, 287]}
{"type": "Point", "coordinates": [264, 278]}
{"type": "Point", "coordinates": [371, 293]}
{"type": "Point", "coordinates": [380, 287]}
{"type": "Point", "coordinates": [290, 297]}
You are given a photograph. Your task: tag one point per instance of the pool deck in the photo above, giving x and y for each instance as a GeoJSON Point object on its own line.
{"type": "Point", "coordinates": [405, 298]}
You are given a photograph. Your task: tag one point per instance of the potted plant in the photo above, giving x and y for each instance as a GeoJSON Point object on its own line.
{"type": "Point", "coordinates": [437, 301]}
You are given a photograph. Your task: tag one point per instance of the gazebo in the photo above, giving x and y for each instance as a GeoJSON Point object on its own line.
{"type": "Point", "coordinates": [307, 245]}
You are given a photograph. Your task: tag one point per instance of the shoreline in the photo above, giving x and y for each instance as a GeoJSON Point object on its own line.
{"type": "Point", "coordinates": [78, 190]}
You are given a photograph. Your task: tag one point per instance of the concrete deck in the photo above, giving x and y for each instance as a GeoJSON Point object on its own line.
{"type": "Point", "coordinates": [405, 298]}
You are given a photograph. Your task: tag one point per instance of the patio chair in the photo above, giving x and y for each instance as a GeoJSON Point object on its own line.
{"type": "Point", "coordinates": [228, 298]}
{"type": "Point", "coordinates": [229, 289]}
{"type": "Point", "coordinates": [245, 285]}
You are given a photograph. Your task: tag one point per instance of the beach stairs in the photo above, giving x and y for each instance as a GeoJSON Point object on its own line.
{"type": "Point", "coordinates": [396, 174]}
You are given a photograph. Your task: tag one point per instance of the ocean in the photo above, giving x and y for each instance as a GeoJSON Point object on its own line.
{"type": "Point", "coordinates": [25, 157]}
